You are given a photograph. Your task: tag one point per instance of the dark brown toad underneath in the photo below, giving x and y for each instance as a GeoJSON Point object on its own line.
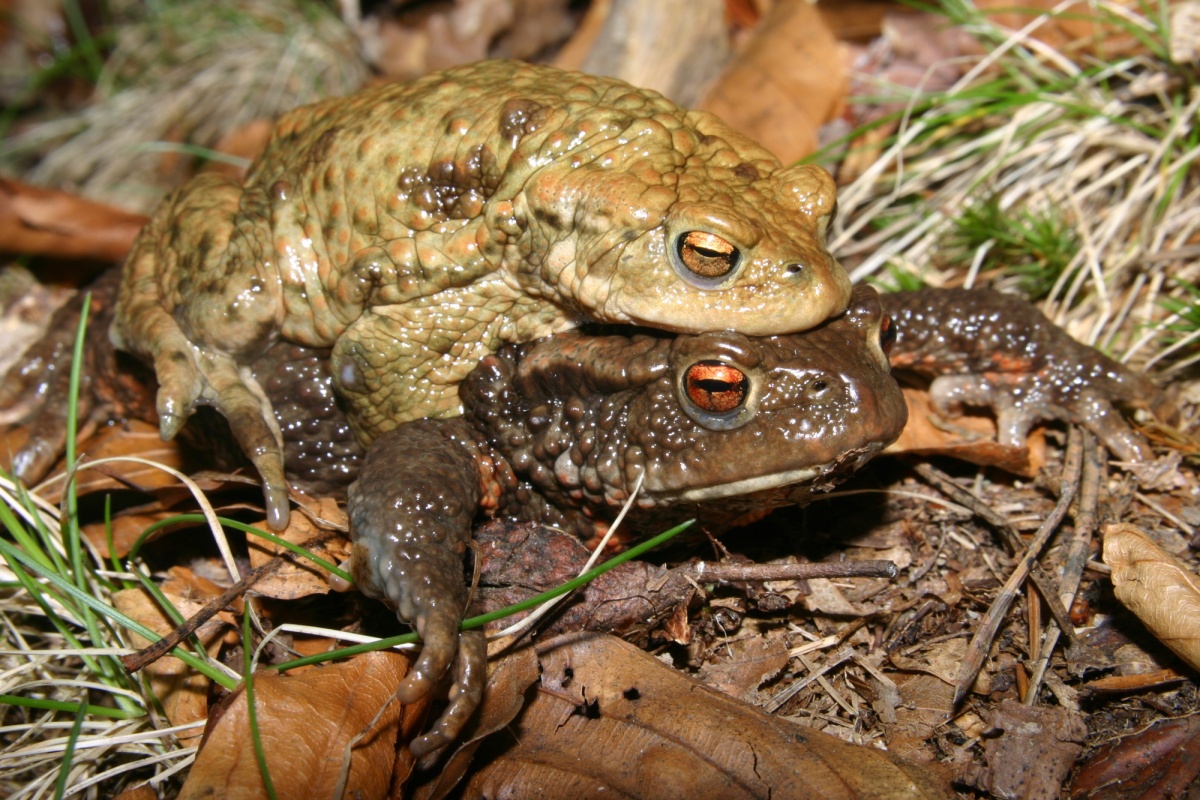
{"type": "Point", "coordinates": [717, 426]}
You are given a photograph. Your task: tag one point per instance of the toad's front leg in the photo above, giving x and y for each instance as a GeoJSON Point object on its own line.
{"type": "Point", "coordinates": [411, 513]}
{"type": "Point", "coordinates": [198, 301]}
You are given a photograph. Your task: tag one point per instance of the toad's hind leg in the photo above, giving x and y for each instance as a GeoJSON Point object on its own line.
{"type": "Point", "coordinates": [196, 304]}
{"type": "Point", "coordinates": [411, 514]}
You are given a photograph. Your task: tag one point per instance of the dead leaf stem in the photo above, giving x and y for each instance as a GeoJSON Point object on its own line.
{"type": "Point", "coordinates": [1077, 556]}
{"type": "Point", "coordinates": [148, 655]}
{"type": "Point", "coordinates": [990, 623]}
{"type": "Point", "coordinates": [1012, 538]}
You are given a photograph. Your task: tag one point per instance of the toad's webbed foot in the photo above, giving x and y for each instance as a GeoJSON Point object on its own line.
{"type": "Point", "coordinates": [984, 348]}
{"type": "Point", "coordinates": [190, 376]}
{"type": "Point", "coordinates": [411, 513]}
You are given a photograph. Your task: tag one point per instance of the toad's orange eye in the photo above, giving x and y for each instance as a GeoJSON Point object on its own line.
{"type": "Point", "coordinates": [715, 387]}
{"type": "Point", "coordinates": [707, 254]}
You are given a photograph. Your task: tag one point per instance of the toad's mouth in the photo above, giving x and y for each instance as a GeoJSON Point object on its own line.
{"type": "Point", "coordinates": [827, 474]}
{"type": "Point", "coordinates": [747, 486]}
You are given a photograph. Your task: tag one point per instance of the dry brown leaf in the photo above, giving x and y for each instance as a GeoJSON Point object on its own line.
{"type": "Point", "coordinates": [182, 691]}
{"type": "Point", "coordinates": [970, 438]}
{"type": "Point", "coordinates": [676, 47]}
{"type": "Point", "coordinates": [325, 511]}
{"type": "Point", "coordinates": [1157, 587]}
{"type": "Point", "coordinates": [143, 792]}
{"type": "Point", "coordinates": [789, 79]}
{"type": "Point", "coordinates": [133, 438]}
{"type": "Point", "coordinates": [509, 677]}
{"type": "Point", "coordinates": [308, 722]}
{"type": "Point", "coordinates": [1162, 760]}
{"type": "Point", "coordinates": [46, 222]}
{"type": "Point", "coordinates": [127, 527]}
{"type": "Point", "coordinates": [244, 142]}
{"type": "Point", "coordinates": [573, 52]}
{"type": "Point", "coordinates": [301, 577]}
{"type": "Point", "coordinates": [741, 666]}
{"type": "Point", "coordinates": [926, 703]}
{"type": "Point", "coordinates": [856, 21]}
{"type": "Point", "coordinates": [1029, 750]}
{"type": "Point", "coordinates": [612, 721]}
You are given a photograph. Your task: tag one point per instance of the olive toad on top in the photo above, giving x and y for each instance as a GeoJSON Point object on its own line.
{"type": "Point", "coordinates": [415, 228]}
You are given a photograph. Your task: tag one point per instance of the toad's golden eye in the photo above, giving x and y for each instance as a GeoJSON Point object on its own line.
{"type": "Point", "coordinates": [707, 254]}
{"type": "Point", "coordinates": [715, 387]}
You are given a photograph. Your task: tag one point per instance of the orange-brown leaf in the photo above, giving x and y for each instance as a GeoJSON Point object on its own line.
{"type": "Point", "coordinates": [610, 719]}
{"type": "Point", "coordinates": [309, 724]}
{"type": "Point", "coordinates": [301, 578]}
{"type": "Point", "coordinates": [134, 438]}
{"type": "Point", "coordinates": [789, 79]}
{"type": "Point", "coordinates": [970, 438]}
{"type": "Point", "coordinates": [1157, 587]}
{"type": "Point", "coordinates": [182, 692]}
{"type": "Point", "coordinates": [47, 222]}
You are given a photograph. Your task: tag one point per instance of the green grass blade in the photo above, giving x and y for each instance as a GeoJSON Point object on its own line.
{"type": "Point", "coordinates": [64, 769]}
{"type": "Point", "coordinates": [260, 752]}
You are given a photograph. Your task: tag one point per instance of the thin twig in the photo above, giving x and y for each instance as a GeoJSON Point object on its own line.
{"type": "Point", "coordinates": [156, 650]}
{"type": "Point", "coordinates": [776, 702]}
{"type": "Point", "coordinates": [795, 572]}
{"type": "Point", "coordinates": [982, 640]}
{"type": "Point", "coordinates": [1077, 554]}
{"type": "Point", "coordinates": [1012, 539]}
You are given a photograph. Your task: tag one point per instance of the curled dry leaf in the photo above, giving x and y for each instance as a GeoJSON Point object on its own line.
{"type": "Point", "coordinates": [134, 438]}
{"type": "Point", "coordinates": [970, 438]}
{"type": "Point", "coordinates": [46, 222]}
{"type": "Point", "coordinates": [611, 720]}
{"type": "Point", "coordinates": [1157, 587]}
{"type": "Point", "coordinates": [300, 577]}
{"type": "Point", "coordinates": [309, 725]}
{"type": "Point", "coordinates": [1162, 760]}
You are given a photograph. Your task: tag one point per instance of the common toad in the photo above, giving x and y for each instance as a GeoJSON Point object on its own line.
{"type": "Point", "coordinates": [411, 231]}
{"type": "Point", "coordinates": [414, 228]}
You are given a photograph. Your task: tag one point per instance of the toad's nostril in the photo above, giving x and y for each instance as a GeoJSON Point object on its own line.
{"type": "Point", "coordinates": [794, 269]}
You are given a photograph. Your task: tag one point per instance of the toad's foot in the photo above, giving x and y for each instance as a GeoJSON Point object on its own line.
{"type": "Point", "coordinates": [1021, 401]}
{"type": "Point", "coordinates": [217, 380]}
{"type": "Point", "coordinates": [410, 516]}
{"type": "Point", "coordinates": [983, 348]}
{"type": "Point", "coordinates": [35, 393]}
{"type": "Point", "coordinates": [190, 375]}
